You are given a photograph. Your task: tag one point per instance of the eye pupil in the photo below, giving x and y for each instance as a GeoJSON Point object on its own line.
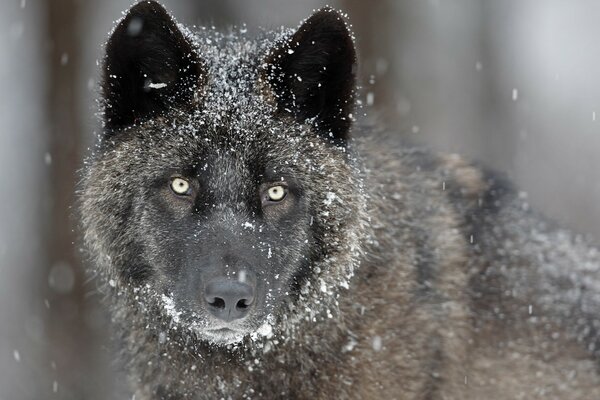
{"type": "Point", "coordinates": [276, 193]}
{"type": "Point", "coordinates": [180, 186]}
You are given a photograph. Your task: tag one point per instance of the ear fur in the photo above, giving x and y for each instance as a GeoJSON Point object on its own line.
{"type": "Point", "coordinates": [149, 66]}
{"type": "Point", "coordinates": [312, 75]}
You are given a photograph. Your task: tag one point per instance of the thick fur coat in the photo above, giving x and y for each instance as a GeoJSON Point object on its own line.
{"type": "Point", "coordinates": [385, 271]}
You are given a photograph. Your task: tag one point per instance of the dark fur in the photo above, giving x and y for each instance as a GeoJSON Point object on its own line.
{"type": "Point", "coordinates": [387, 272]}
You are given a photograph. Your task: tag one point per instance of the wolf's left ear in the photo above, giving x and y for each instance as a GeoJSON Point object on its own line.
{"type": "Point", "coordinates": [149, 67]}
{"type": "Point", "coordinates": [312, 74]}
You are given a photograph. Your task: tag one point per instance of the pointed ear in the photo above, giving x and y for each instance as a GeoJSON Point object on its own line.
{"type": "Point", "coordinates": [312, 75]}
{"type": "Point", "coordinates": [149, 67]}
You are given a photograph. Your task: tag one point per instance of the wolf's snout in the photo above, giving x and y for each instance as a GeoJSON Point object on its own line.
{"type": "Point", "coordinates": [227, 299]}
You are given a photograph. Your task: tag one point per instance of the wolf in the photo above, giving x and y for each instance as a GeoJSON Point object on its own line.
{"type": "Point", "coordinates": [254, 239]}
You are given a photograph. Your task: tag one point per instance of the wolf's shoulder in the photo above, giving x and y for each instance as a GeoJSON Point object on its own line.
{"type": "Point", "coordinates": [396, 165]}
{"type": "Point", "coordinates": [523, 272]}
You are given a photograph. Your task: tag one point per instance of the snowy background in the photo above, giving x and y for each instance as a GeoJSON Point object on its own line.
{"type": "Point", "coordinates": [514, 84]}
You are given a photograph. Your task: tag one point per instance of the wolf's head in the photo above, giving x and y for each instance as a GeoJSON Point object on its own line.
{"type": "Point", "coordinates": [223, 187]}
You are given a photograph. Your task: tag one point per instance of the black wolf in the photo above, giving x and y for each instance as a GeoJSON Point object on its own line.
{"type": "Point", "coordinates": [249, 248]}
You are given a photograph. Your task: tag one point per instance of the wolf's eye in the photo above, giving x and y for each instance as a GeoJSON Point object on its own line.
{"type": "Point", "coordinates": [276, 193]}
{"type": "Point", "coordinates": [180, 186]}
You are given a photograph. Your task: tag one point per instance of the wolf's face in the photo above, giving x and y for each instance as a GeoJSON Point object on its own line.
{"type": "Point", "coordinates": [218, 178]}
{"type": "Point", "coordinates": [224, 226]}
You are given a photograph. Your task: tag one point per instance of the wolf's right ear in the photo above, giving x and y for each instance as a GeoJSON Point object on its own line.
{"type": "Point", "coordinates": [312, 74]}
{"type": "Point", "coordinates": [149, 67]}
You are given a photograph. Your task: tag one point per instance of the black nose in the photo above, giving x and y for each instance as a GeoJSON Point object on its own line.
{"type": "Point", "coordinates": [229, 299]}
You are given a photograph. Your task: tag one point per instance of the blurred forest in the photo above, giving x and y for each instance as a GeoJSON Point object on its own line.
{"type": "Point", "coordinates": [513, 84]}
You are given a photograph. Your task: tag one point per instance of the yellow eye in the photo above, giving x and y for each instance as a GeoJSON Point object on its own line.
{"type": "Point", "coordinates": [180, 186]}
{"type": "Point", "coordinates": [276, 193]}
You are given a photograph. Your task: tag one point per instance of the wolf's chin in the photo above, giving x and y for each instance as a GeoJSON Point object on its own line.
{"type": "Point", "coordinates": [222, 337]}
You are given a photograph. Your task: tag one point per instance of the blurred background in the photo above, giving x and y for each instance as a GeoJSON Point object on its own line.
{"type": "Point", "coordinates": [514, 84]}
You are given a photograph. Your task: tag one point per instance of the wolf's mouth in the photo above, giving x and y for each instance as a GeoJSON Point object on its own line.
{"type": "Point", "coordinates": [223, 331]}
{"type": "Point", "coordinates": [224, 335]}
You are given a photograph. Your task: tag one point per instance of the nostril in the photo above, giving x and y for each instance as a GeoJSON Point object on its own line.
{"type": "Point", "coordinates": [243, 304]}
{"type": "Point", "coordinates": [217, 303]}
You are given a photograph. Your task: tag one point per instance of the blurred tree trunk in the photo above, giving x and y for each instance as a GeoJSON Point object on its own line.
{"type": "Point", "coordinates": [498, 126]}
{"type": "Point", "coordinates": [370, 23]}
{"type": "Point", "coordinates": [69, 336]}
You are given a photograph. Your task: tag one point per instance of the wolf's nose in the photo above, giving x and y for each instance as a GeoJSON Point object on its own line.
{"type": "Point", "coordinates": [228, 299]}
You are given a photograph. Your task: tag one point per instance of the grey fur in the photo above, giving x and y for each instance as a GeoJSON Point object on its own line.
{"type": "Point", "coordinates": [434, 280]}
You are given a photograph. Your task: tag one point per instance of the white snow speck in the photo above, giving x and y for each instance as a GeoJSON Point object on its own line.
{"type": "Point", "coordinates": [135, 26]}
{"type": "Point", "coordinates": [323, 286]}
{"type": "Point", "coordinates": [349, 346]}
{"type": "Point", "coordinates": [377, 343]}
{"type": "Point", "coordinates": [515, 94]}
{"type": "Point", "coordinates": [169, 305]}
{"type": "Point", "coordinates": [17, 356]}
{"type": "Point", "coordinates": [61, 277]}
{"type": "Point", "coordinates": [370, 98]}
{"type": "Point", "coordinates": [381, 66]}
{"type": "Point", "coordinates": [330, 197]}
{"type": "Point", "coordinates": [112, 283]}
{"type": "Point", "coordinates": [162, 338]}
{"type": "Point", "coordinates": [160, 85]}
{"type": "Point", "coordinates": [265, 330]}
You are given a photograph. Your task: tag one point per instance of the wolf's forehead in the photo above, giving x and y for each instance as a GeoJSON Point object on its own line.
{"type": "Point", "coordinates": [232, 63]}
{"type": "Point", "coordinates": [230, 60]}
{"type": "Point", "coordinates": [228, 171]}
{"type": "Point", "coordinates": [221, 49]}
{"type": "Point", "coordinates": [236, 162]}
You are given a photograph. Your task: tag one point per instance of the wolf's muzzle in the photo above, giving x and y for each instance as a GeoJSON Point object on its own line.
{"type": "Point", "coordinates": [228, 299]}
